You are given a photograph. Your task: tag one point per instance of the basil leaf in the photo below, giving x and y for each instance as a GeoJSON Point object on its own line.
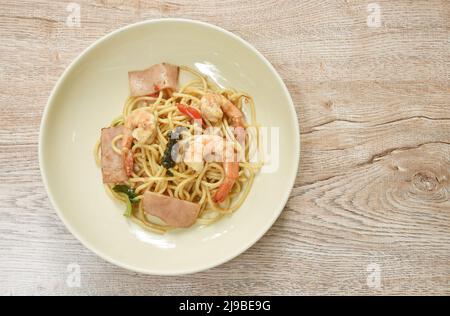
{"type": "Point", "coordinates": [123, 188]}
{"type": "Point", "coordinates": [128, 209]}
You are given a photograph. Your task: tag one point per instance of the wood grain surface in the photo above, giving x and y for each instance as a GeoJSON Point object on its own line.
{"type": "Point", "coordinates": [372, 193]}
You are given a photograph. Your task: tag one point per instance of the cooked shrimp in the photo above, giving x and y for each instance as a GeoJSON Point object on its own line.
{"type": "Point", "coordinates": [213, 106]}
{"type": "Point", "coordinates": [141, 126]}
{"type": "Point", "coordinates": [214, 148]}
{"type": "Point", "coordinates": [203, 147]}
{"type": "Point", "coordinates": [231, 175]}
{"type": "Point", "coordinates": [210, 107]}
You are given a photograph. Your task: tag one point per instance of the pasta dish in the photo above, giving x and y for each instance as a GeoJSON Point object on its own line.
{"type": "Point", "coordinates": [179, 155]}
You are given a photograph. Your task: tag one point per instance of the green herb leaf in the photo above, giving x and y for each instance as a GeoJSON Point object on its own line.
{"type": "Point", "coordinates": [123, 188]}
{"type": "Point", "coordinates": [128, 209]}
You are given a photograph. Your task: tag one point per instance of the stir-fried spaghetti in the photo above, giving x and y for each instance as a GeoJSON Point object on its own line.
{"type": "Point", "coordinates": [174, 112]}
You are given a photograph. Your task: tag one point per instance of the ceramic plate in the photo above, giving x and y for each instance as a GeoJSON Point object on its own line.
{"type": "Point", "coordinates": [92, 91]}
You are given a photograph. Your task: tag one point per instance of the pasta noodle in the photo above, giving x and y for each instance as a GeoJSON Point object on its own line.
{"type": "Point", "coordinates": [181, 181]}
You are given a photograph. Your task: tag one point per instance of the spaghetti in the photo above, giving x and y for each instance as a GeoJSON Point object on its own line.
{"type": "Point", "coordinates": [182, 181]}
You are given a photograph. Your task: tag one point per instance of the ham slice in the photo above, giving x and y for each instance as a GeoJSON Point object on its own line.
{"type": "Point", "coordinates": [112, 163]}
{"type": "Point", "coordinates": [151, 80]}
{"type": "Point", "coordinates": [174, 212]}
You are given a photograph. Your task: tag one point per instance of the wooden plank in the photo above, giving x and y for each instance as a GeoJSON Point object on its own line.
{"type": "Point", "coordinates": [374, 179]}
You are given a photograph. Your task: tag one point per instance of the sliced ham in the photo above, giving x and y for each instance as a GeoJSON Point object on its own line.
{"type": "Point", "coordinates": [172, 211]}
{"type": "Point", "coordinates": [112, 163]}
{"type": "Point", "coordinates": [151, 80]}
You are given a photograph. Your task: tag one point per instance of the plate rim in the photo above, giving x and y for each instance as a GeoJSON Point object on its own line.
{"type": "Point", "coordinates": [149, 271]}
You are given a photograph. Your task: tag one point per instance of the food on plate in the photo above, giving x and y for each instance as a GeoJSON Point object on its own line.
{"type": "Point", "coordinates": [178, 155]}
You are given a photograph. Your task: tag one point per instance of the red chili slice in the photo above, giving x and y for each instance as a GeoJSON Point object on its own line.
{"type": "Point", "coordinates": [191, 112]}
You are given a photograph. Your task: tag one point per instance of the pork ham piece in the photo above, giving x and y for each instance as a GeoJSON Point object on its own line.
{"type": "Point", "coordinates": [172, 211]}
{"type": "Point", "coordinates": [151, 80]}
{"type": "Point", "coordinates": [112, 163]}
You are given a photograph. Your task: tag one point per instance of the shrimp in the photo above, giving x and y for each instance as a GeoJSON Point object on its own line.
{"type": "Point", "coordinates": [203, 147]}
{"type": "Point", "coordinates": [231, 175]}
{"type": "Point", "coordinates": [210, 105]}
{"type": "Point", "coordinates": [214, 148]}
{"type": "Point", "coordinates": [141, 126]}
{"type": "Point", "coordinates": [213, 105]}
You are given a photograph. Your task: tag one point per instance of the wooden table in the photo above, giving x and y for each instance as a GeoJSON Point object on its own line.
{"type": "Point", "coordinates": [370, 210]}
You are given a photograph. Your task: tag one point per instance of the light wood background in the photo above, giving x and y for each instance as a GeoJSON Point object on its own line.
{"type": "Point", "coordinates": [374, 182]}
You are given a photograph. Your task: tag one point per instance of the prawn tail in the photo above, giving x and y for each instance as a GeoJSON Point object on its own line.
{"type": "Point", "coordinates": [224, 190]}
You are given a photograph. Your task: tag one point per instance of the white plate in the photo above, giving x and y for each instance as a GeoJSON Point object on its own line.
{"type": "Point", "coordinates": [91, 92]}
